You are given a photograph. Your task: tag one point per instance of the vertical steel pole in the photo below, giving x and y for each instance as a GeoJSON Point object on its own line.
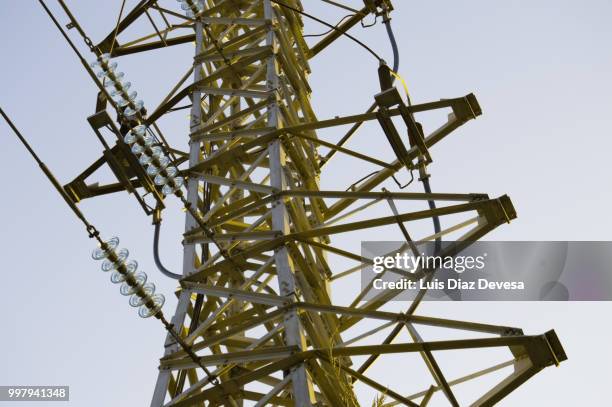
{"type": "Point", "coordinates": [303, 393]}
{"type": "Point", "coordinates": [189, 251]}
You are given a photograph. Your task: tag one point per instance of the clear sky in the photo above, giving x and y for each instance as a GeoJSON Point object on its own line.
{"type": "Point", "coordinates": [540, 70]}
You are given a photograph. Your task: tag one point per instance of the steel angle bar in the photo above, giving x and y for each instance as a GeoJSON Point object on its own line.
{"type": "Point", "coordinates": [332, 249]}
{"type": "Point", "coordinates": [139, 45]}
{"type": "Point", "coordinates": [427, 397]}
{"type": "Point", "coordinates": [241, 183]}
{"type": "Point", "coordinates": [435, 137]}
{"type": "Point", "coordinates": [255, 94]}
{"type": "Point", "coordinates": [335, 34]}
{"type": "Point", "coordinates": [363, 261]}
{"type": "Point", "coordinates": [232, 237]}
{"type": "Point", "coordinates": [453, 248]}
{"type": "Point", "coordinates": [215, 57]}
{"type": "Point", "coordinates": [344, 150]}
{"type": "Point", "coordinates": [177, 86]}
{"type": "Point", "coordinates": [219, 371]}
{"type": "Point", "coordinates": [244, 322]}
{"type": "Point", "coordinates": [337, 309]}
{"type": "Point", "coordinates": [402, 227]}
{"type": "Point", "coordinates": [222, 73]}
{"type": "Point", "coordinates": [452, 124]}
{"type": "Point", "coordinates": [224, 292]}
{"type": "Point", "coordinates": [233, 44]}
{"type": "Point", "coordinates": [492, 205]}
{"type": "Point", "coordinates": [463, 379]}
{"type": "Point", "coordinates": [236, 149]}
{"type": "Point", "coordinates": [230, 300]}
{"type": "Point", "coordinates": [253, 230]}
{"type": "Point", "coordinates": [169, 104]}
{"type": "Point", "coordinates": [368, 333]}
{"type": "Point", "coordinates": [415, 319]}
{"type": "Point", "coordinates": [388, 339]}
{"type": "Point", "coordinates": [352, 212]}
{"type": "Point", "coordinates": [536, 347]}
{"type": "Point", "coordinates": [274, 400]}
{"type": "Point", "coordinates": [464, 325]}
{"type": "Point", "coordinates": [295, 29]}
{"type": "Point", "coordinates": [202, 82]}
{"type": "Point", "coordinates": [243, 256]}
{"type": "Point", "coordinates": [232, 28]}
{"type": "Point", "coordinates": [274, 391]}
{"type": "Point", "coordinates": [374, 384]}
{"type": "Point", "coordinates": [131, 17]}
{"type": "Point", "coordinates": [449, 230]}
{"type": "Point", "coordinates": [385, 296]}
{"type": "Point", "coordinates": [244, 231]}
{"type": "Point", "coordinates": [245, 210]}
{"type": "Point", "coordinates": [523, 370]}
{"type": "Point", "coordinates": [159, 34]}
{"type": "Point", "coordinates": [249, 22]}
{"type": "Point", "coordinates": [217, 394]}
{"type": "Point", "coordinates": [409, 196]}
{"type": "Point", "coordinates": [268, 353]}
{"type": "Point", "coordinates": [433, 367]}
{"type": "Point", "coordinates": [235, 118]}
{"type": "Point", "coordinates": [163, 11]}
{"type": "Point", "coordinates": [190, 257]}
{"type": "Point", "coordinates": [235, 183]}
{"type": "Point", "coordinates": [231, 135]}
{"type": "Point", "coordinates": [302, 390]}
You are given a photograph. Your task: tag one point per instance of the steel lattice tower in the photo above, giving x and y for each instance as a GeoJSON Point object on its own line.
{"type": "Point", "coordinates": [254, 304]}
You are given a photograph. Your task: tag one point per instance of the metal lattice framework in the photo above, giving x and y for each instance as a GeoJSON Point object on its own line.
{"type": "Point", "coordinates": [254, 304]}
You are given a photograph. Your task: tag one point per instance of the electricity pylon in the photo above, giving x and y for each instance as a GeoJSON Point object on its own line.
{"type": "Point", "coordinates": [255, 305]}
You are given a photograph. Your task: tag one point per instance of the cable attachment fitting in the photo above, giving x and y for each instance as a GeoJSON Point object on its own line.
{"type": "Point", "coordinates": [157, 216]}
{"type": "Point", "coordinates": [384, 76]}
{"type": "Point", "coordinates": [93, 232]}
{"type": "Point", "coordinates": [390, 99]}
{"type": "Point", "coordinates": [379, 7]}
{"type": "Point", "coordinates": [423, 174]}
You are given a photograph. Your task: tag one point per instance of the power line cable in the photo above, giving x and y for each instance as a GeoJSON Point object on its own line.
{"type": "Point", "coordinates": [156, 258]}
{"type": "Point", "coordinates": [423, 176]}
{"type": "Point", "coordinates": [330, 30]}
{"type": "Point", "coordinates": [364, 46]}
{"type": "Point", "coordinates": [93, 233]}
{"type": "Point", "coordinates": [340, 5]}
{"type": "Point", "coordinates": [117, 28]}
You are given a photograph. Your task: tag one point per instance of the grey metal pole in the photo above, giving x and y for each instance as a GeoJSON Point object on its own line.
{"type": "Point", "coordinates": [189, 253]}
{"type": "Point", "coordinates": [303, 393]}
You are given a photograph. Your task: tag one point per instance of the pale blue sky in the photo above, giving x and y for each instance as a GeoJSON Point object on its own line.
{"type": "Point", "coordinates": [540, 70]}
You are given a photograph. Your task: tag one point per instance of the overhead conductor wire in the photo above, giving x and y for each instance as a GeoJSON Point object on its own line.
{"type": "Point", "coordinates": [94, 233]}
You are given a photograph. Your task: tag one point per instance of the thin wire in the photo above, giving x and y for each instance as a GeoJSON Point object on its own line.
{"type": "Point", "coordinates": [174, 109]}
{"type": "Point", "coordinates": [156, 258]}
{"type": "Point", "coordinates": [330, 30]}
{"type": "Point", "coordinates": [399, 77]}
{"type": "Point", "coordinates": [93, 232]}
{"type": "Point", "coordinates": [364, 46]}
{"type": "Point", "coordinates": [369, 25]}
{"type": "Point", "coordinates": [361, 179]}
{"type": "Point", "coordinates": [117, 27]}
{"type": "Point", "coordinates": [400, 186]}
{"type": "Point", "coordinates": [21, 138]}
{"type": "Point", "coordinates": [339, 5]}
{"type": "Point", "coordinates": [61, 30]}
